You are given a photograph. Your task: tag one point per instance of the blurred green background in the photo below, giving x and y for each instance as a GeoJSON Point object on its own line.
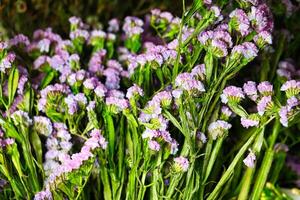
{"type": "Point", "coordinates": [27, 15]}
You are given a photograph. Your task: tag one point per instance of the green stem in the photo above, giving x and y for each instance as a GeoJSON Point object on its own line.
{"type": "Point", "coordinates": [230, 169]}
{"type": "Point", "coordinates": [266, 164]}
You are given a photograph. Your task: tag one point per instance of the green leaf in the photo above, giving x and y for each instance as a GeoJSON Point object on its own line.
{"type": "Point", "coordinates": [47, 79]}
{"type": "Point", "coordinates": [37, 146]}
{"type": "Point", "coordinates": [13, 80]}
{"type": "Point", "coordinates": [174, 121]}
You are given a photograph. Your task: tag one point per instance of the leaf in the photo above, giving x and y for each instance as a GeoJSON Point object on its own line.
{"type": "Point", "coordinates": [37, 146]}
{"type": "Point", "coordinates": [174, 121]}
{"type": "Point", "coordinates": [47, 79]}
{"type": "Point", "coordinates": [13, 80]}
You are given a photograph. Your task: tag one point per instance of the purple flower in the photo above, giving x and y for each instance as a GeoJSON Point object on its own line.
{"type": "Point", "coordinates": [232, 94]}
{"type": "Point", "coordinates": [42, 125]}
{"type": "Point", "coordinates": [205, 37]}
{"type": "Point", "coordinates": [44, 45]}
{"type": "Point", "coordinates": [265, 88]}
{"type": "Point", "coordinates": [219, 48]}
{"type": "Point", "coordinates": [19, 39]}
{"type": "Point", "coordinates": [226, 112]}
{"type": "Point", "coordinates": [153, 145]}
{"type": "Point", "coordinates": [6, 62]}
{"type": "Point", "coordinates": [291, 88]}
{"type": "Point", "coordinates": [133, 26]}
{"type": "Point", "coordinates": [21, 84]}
{"type": "Point", "coordinates": [263, 38]}
{"type": "Point", "coordinates": [134, 91]}
{"type": "Point", "coordinates": [71, 104]}
{"type": "Point", "coordinates": [91, 83]}
{"type": "Point", "coordinates": [250, 90]}
{"type": "Point", "coordinates": [264, 104]}
{"type": "Point", "coordinates": [117, 103]}
{"type": "Point", "coordinates": [261, 18]}
{"type": "Point", "coordinates": [199, 72]}
{"type": "Point", "coordinates": [100, 90]}
{"type": "Point", "coordinates": [218, 128]}
{"type": "Point", "coordinates": [240, 22]}
{"type": "Point", "coordinates": [247, 49]}
{"type": "Point", "coordinates": [43, 195]}
{"type": "Point", "coordinates": [187, 82]}
{"type": "Point", "coordinates": [249, 122]}
{"type": "Point", "coordinates": [249, 161]}
{"type": "Point", "coordinates": [113, 25]}
{"type": "Point", "coordinates": [181, 164]}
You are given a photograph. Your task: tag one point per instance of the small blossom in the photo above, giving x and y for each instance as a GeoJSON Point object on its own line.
{"type": "Point", "coordinates": [226, 112]}
{"type": "Point", "coordinates": [42, 125]}
{"type": "Point", "coordinates": [240, 22]}
{"type": "Point", "coordinates": [249, 161]}
{"type": "Point", "coordinates": [232, 94]}
{"type": "Point", "coordinates": [187, 82]}
{"type": "Point", "coordinates": [264, 104]}
{"type": "Point", "coordinates": [199, 72]}
{"type": "Point", "coordinates": [265, 88]}
{"type": "Point", "coordinates": [218, 128]}
{"type": "Point", "coordinates": [250, 121]}
{"type": "Point", "coordinates": [181, 164]}
{"type": "Point", "coordinates": [250, 90]}
{"type": "Point", "coordinates": [133, 91]}
{"type": "Point", "coordinates": [262, 39]}
{"type": "Point", "coordinates": [153, 145]}
{"type": "Point", "coordinates": [291, 88]}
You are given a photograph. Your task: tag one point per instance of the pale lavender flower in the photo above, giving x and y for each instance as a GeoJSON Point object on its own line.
{"type": "Point", "coordinates": [71, 104]}
{"type": "Point", "coordinates": [112, 78]}
{"type": "Point", "coordinates": [187, 82]}
{"type": "Point", "coordinates": [265, 88]}
{"type": "Point", "coordinates": [263, 104]}
{"type": "Point", "coordinates": [113, 25]}
{"type": "Point", "coordinates": [232, 94]}
{"type": "Point", "coordinates": [224, 36]}
{"type": "Point", "coordinates": [261, 18]}
{"type": "Point", "coordinates": [91, 106]}
{"type": "Point", "coordinates": [226, 112]}
{"type": "Point", "coordinates": [95, 63]}
{"type": "Point", "coordinates": [240, 21]}
{"type": "Point", "coordinates": [250, 90]}
{"type": "Point", "coordinates": [283, 113]}
{"type": "Point", "coordinates": [133, 26]}
{"type": "Point", "coordinates": [249, 161]}
{"type": "Point", "coordinates": [247, 49]}
{"type": "Point", "coordinates": [217, 13]}
{"type": "Point", "coordinates": [117, 103]}
{"type": "Point", "coordinates": [6, 62]}
{"type": "Point", "coordinates": [44, 45]}
{"type": "Point", "coordinates": [81, 99]}
{"type": "Point", "coordinates": [218, 128]}
{"type": "Point", "coordinates": [21, 84]}
{"type": "Point", "coordinates": [134, 91]}
{"type": "Point", "coordinates": [263, 38]}
{"type": "Point", "coordinates": [181, 164]}
{"type": "Point", "coordinates": [291, 88]}
{"type": "Point", "coordinates": [153, 145]}
{"type": "Point", "coordinates": [43, 195]}
{"type": "Point", "coordinates": [248, 122]}
{"type": "Point", "coordinates": [42, 125]}
{"type": "Point", "coordinates": [91, 83]}
{"type": "Point", "coordinates": [219, 48]}
{"type": "Point", "coordinates": [201, 137]}
{"type": "Point", "coordinates": [79, 33]}
{"type": "Point", "coordinates": [21, 117]}
{"type": "Point", "coordinates": [19, 39]}
{"type": "Point", "coordinates": [41, 60]}
{"type": "Point", "coordinates": [100, 90]}
{"type": "Point", "coordinates": [174, 147]}
{"type": "Point", "coordinates": [205, 36]}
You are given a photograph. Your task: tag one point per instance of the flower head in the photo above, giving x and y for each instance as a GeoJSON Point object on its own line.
{"type": "Point", "coordinates": [232, 94]}
{"type": "Point", "coordinates": [181, 164]}
{"type": "Point", "coordinates": [218, 128]}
